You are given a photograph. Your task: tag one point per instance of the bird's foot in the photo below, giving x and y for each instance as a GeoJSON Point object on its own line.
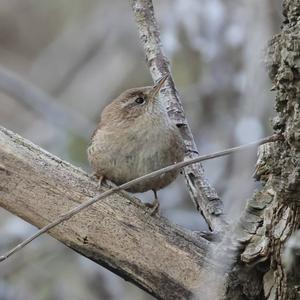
{"type": "Point", "coordinates": [155, 209]}
{"type": "Point", "coordinates": [100, 179]}
{"type": "Point", "coordinates": [154, 206]}
{"type": "Point", "coordinates": [93, 176]}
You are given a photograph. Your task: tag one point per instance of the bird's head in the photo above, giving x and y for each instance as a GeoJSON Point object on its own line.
{"type": "Point", "coordinates": [135, 103]}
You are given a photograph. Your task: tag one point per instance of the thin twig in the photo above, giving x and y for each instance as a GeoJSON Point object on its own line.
{"type": "Point", "coordinates": [201, 192]}
{"type": "Point", "coordinates": [128, 184]}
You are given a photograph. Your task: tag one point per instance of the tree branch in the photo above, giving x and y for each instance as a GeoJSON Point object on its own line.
{"type": "Point", "coordinates": [117, 232]}
{"type": "Point", "coordinates": [40, 102]}
{"type": "Point", "coordinates": [272, 215]}
{"type": "Point", "coordinates": [204, 196]}
{"type": "Point", "coordinates": [66, 216]}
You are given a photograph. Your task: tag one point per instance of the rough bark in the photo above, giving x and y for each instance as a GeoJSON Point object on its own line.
{"type": "Point", "coordinates": [273, 214]}
{"type": "Point", "coordinates": [116, 232]}
{"type": "Point", "coordinates": [204, 196]}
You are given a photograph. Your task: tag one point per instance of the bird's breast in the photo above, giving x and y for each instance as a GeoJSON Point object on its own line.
{"type": "Point", "coordinates": [133, 152]}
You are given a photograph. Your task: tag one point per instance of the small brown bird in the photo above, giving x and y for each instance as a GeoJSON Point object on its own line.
{"type": "Point", "coordinates": [134, 137]}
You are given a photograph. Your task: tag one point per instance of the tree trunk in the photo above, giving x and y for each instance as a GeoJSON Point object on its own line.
{"type": "Point", "coordinates": [273, 214]}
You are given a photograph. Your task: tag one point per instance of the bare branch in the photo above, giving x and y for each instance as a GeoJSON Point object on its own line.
{"type": "Point", "coordinates": [66, 216]}
{"type": "Point", "coordinates": [40, 102]}
{"type": "Point", "coordinates": [204, 196]}
{"type": "Point", "coordinates": [116, 232]}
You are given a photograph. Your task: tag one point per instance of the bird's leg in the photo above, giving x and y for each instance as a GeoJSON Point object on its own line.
{"type": "Point", "coordinates": [100, 180]}
{"type": "Point", "coordinates": [93, 176]}
{"type": "Point", "coordinates": [155, 204]}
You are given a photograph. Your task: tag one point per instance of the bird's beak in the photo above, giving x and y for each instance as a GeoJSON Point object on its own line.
{"type": "Point", "coordinates": [156, 88]}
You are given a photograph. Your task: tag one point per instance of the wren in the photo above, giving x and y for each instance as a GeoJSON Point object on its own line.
{"type": "Point", "coordinates": [134, 137]}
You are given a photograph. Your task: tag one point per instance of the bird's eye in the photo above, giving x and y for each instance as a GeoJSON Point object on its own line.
{"type": "Point", "coordinates": [139, 100]}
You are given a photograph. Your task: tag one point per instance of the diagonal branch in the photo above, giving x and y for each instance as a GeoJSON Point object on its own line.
{"type": "Point", "coordinates": [117, 232]}
{"type": "Point", "coordinates": [204, 196]}
{"type": "Point", "coordinates": [66, 216]}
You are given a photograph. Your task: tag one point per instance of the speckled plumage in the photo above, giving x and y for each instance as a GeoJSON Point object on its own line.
{"type": "Point", "coordinates": [134, 139]}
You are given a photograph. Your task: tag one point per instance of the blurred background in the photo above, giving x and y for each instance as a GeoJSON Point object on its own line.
{"type": "Point", "coordinates": [62, 61]}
